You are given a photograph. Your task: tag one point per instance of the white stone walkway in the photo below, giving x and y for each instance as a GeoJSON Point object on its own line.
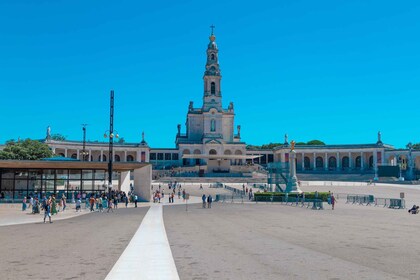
{"type": "Point", "coordinates": [148, 255]}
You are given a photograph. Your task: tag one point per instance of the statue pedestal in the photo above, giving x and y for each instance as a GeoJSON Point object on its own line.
{"type": "Point", "coordinates": [292, 182]}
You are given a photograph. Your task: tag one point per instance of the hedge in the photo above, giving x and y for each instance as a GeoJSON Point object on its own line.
{"type": "Point", "coordinates": [308, 195]}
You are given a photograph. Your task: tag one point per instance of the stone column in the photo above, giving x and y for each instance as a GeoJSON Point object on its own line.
{"type": "Point", "coordinates": [375, 164]}
{"type": "Point", "coordinates": [326, 162]}
{"type": "Point", "coordinates": [303, 161]}
{"type": "Point", "coordinates": [142, 182]}
{"type": "Point", "coordinates": [124, 182]}
{"type": "Point", "coordinates": [292, 184]}
{"type": "Point", "coordinates": [350, 161]}
{"type": "Point", "coordinates": [65, 153]}
{"type": "Point", "coordinates": [362, 161]}
{"type": "Point", "coordinates": [125, 155]}
{"type": "Point", "coordinates": [102, 155]}
{"type": "Point", "coordinates": [78, 154]}
{"type": "Point", "coordinates": [314, 163]}
{"type": "Point", "coordinates": [338, 160]}
{"type": "Point", "coordinates": [90, 155]}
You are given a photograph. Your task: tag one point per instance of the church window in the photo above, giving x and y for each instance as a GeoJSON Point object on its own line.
{"type": "Point", "coordinates": [213, 125]}
{"type": "Point", "coordinates": [213, 88]}
{"type": "Point", "coordinates": [212, 56]}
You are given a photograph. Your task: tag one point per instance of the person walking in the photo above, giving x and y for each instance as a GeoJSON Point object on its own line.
{"type": "Point", "coordinates": [63, 202]}
{"type": "Point", "coordinates": [332, 201]}
{"type": "Point", "coordinates": [53, 205]}
{"type": "Point", "coordinates": [126, 201]}
{"type": "Point", "coordinates": [110, 205]}
{"type": "Point", "coordinates": [209, 201]}
{"type": "Point", "coordinates": [47, 209]}
{"type": "Point", "coordinates": [100, 205]}
{"type": "Point", "coordinates": [92, 203]}
{"type": "Point", "coordinates": [24, 204]}
{"type": "Point", "coordinates": [115, 202]}
{"type": "Point", "coordinates": [135, 201]}
{"type": "Point", "coordinates": [78, 205]}
{"type": "Point", "coordinates": [203, 198]}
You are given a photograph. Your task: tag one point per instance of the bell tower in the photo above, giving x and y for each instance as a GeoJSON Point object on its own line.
{"type": "Point", "coordinates": [212, 92]}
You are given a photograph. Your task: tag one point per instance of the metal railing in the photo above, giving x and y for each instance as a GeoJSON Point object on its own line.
{"type": "Point", "coordinates": [315, 204]}
{"type": "Point", "coordinates": [362, 199]}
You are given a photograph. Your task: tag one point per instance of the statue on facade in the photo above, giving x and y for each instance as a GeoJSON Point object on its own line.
{"type": "Point", "coordinates": [239, 130]}
{"type": "Point", "coordinates": [179, 129]}
{"type": "Point", "coordinates": [191, 106]}
{"type": "Point", "coordinates": [293, 145]}
{"type": "Point", "coordinates": [379, 138]}
{"type": "Point", "coordinates": [230, 108]}
{"type": "Point", "coordinates": [48, 133]}
{"type": "Point", "coordinates": [286, 139]}
{"type": "Point", "coordinates": [142, 136]}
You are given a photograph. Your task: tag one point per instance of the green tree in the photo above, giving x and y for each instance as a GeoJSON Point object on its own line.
{"type": "Point", "coordinates": [58, 137]}
{"type": "Point", "coordinates": [25, 150]}
{"type": "Point", "coordinates": [316, 142]}
{"type": "Point", "coordinates": [271, 145]}
{"type": "Point", "coordinates": [416, 146]}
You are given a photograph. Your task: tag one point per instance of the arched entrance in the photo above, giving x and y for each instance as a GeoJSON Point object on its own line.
{"type": "Point", "coordinates": [359, 162]}
{"type": "Point", "coordinates": [185, 161]}
{"type": "Point", "coordinates": [307, 163]}
{"type": "Point", "coordinates": [238, 161]}
{"type": "Point", "coordinates": [319, 163]}
{"type": "Point", "coordinates": [332, 163]}
{"type": "Point", "coordinates": [345, 162]}
{"type": "Point", "coordinates": [197, 160]}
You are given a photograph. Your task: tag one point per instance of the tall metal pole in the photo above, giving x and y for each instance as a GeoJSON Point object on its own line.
{"type": "Point", "coordinates": [84, 142]}
{"type": "Point", "coordinates": [111, 141]}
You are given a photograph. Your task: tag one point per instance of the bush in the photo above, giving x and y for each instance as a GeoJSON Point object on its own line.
{"type": "Point", "coordinates": [276, 195]}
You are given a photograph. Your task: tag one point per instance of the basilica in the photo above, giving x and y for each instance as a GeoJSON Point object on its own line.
{"type": "Point", "coordinates": [210, 146]}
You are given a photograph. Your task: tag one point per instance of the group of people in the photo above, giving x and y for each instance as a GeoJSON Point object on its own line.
{"type": "Point", "coordinates": [94, 202]}
{"type": "Point", "coordinates": [55, 205]}
{"type": "Point", "coordinates": [207, 200]}
{"type": "Point", "coordinates": [159, 194]}
{"type": "Point", "coordinates": [247, 191]}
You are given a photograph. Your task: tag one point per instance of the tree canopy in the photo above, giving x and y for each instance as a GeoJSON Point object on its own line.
{"type": "Point", "coordinates": [416, 146]}
{"type": "Point", "coordinates": [315, 142]}
{"type": "Point", "coordinates": [58, 137]}
{"type": "Point", "coordinates": [273, 145]}
{"type": "Point", "coordinates": [25, 150]}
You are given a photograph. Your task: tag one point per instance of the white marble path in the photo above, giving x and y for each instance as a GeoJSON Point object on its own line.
{"type": "Point", "coordinates": [148, 255]}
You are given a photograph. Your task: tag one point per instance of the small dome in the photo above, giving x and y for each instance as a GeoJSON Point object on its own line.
{"type": "Point", "coordinates": [212, 38]}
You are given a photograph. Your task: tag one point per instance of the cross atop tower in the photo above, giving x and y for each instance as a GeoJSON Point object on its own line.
{"type": "Point", "coordinates": [212, 28]}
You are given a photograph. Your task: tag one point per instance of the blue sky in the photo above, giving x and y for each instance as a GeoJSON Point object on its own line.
{"type": "Point", "coordinates": [337, 71]}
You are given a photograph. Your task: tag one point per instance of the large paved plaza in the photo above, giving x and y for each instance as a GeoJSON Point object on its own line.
{"type": "Point", "coordinates": [228, 241]}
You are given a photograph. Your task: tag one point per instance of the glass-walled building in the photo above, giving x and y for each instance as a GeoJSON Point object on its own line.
{"type": "Point", "coordinates": [38, 178]}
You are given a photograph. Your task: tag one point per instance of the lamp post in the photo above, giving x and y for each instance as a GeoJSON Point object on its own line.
{"type": "Point", "coordinates": [410, 161]}
{"type": "Point", "coordinates": [84, 153]}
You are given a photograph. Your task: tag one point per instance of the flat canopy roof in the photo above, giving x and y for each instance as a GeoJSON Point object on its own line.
{"type": "Point", "coordinates": [45, 164]}
{"type": "Point", "coordinates": [200, 156]}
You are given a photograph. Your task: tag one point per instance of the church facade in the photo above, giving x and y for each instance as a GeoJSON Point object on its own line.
{"type": "Point", "coordinates": [209, 143]}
